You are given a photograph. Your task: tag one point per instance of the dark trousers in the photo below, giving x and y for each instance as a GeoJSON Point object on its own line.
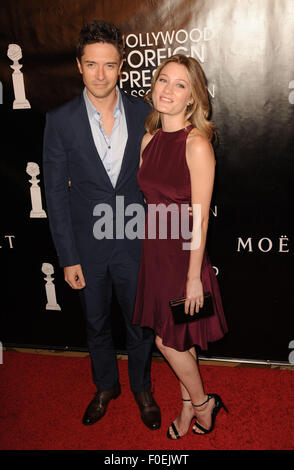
{"type": "Point", "coordinates": [120, 273]}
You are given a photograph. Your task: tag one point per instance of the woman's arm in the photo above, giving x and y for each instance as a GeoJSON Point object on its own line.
{"type": "Point", "coordinates": [201, 163]}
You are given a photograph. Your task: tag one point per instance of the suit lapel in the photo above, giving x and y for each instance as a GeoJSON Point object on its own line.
{"type": "Point", "coordinates": [82, 128]}
{"type": "Point", "coordinates": [130, 149]}
{"type": "Point", "coordinates": [131, 145]}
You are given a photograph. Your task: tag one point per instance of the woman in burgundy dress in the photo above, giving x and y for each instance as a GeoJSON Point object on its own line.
{"type": "Point", "coordinates": [177, 167]}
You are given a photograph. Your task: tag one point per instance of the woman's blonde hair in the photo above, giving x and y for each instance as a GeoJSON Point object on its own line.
{"type": "Point", "coordinates": [198, 112]}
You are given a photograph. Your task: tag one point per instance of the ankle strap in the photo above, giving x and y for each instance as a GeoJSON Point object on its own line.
{"type": "Point", "coordinates": [207, 399]}
{"type": "Point", "coordinates": [183, 399]}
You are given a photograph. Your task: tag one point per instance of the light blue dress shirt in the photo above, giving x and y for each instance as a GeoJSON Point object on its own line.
{"type": "Point", "coordinates": [110, 149]}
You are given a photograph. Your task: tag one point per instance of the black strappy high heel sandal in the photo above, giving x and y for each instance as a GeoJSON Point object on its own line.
{"type": "Point", "coordinates": [218, 405]}
{"type": "Point", "coordinates": [173, 426]}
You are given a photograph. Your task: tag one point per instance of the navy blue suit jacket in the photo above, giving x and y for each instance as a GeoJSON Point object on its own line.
{"type": "Point", "coordinates": [76, 181]}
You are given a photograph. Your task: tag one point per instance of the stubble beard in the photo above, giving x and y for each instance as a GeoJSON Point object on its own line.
{"type": "Point", "coordinates": [104, 93]}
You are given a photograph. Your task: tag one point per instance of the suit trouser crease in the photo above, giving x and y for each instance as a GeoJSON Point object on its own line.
{"type": "Point", "coordinates": [119, 274]}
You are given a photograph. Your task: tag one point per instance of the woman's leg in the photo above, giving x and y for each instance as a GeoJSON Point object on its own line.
{"type": "Point", "coordinates": [185, 366]}
{"type": "Point", "coordinates": [184, 391]}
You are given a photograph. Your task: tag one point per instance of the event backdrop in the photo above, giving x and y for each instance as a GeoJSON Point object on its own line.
{"type": "Point", "coordinates": [246, 49]}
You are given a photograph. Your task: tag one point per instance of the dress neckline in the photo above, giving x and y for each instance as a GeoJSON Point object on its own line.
{"type": "Point", "coordinates": [178, 131]}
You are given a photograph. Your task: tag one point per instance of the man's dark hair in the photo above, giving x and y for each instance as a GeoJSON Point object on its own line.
{"type": "Point", "coordinates": [99, 31]}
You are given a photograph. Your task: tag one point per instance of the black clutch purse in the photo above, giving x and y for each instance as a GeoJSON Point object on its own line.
{"type": "Point", "coordinates": [178, 310]}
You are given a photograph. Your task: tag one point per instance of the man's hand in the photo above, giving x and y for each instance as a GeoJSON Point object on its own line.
{"type": "Point", "coordinates": [73, 275]}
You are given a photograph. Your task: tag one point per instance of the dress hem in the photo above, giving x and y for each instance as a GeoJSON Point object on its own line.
{"type": "Point", "coordinates": [204, 346]}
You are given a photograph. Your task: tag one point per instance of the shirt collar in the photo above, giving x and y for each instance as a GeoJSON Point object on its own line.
{"type": "Point", "coordinates": [92, 111]}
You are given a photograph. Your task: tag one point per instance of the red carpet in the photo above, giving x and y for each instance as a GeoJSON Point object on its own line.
{"type": "Point", "coordinates": [44, 397]}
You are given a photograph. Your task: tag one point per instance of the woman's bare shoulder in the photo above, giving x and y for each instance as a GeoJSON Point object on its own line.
{"type": "Point", "coordinates": [198, 147]}
{"type": "Point", "coordinates": [196, 139]}
{"type": "Point", "coordinates": [146, 139]}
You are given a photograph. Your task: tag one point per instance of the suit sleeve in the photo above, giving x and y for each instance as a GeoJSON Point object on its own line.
{"type": "Point", "coordinates": [56, 179]}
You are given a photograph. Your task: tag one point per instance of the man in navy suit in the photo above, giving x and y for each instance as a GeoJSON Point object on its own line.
{"type": "Point", "coordinates": [91, 156]}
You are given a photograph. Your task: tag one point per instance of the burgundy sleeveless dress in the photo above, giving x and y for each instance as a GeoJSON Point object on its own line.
{"type": "Point", "coordinates": [164, 178]}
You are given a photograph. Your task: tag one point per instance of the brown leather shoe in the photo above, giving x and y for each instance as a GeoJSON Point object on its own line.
{"type": "Point", "coordinates": [150, 412]}
{"type": "Point", "coordinates": [98, 406]}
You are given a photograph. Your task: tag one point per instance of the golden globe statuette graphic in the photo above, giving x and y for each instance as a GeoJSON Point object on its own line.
{"type": "Point", "coordinates": [52, 304]}
{"type": "Point", "coordinates": [37, 211]}
{"type": "Point", "coordinates": [291, 355]}
{"type": "Point", "coordinates": [14, 53]}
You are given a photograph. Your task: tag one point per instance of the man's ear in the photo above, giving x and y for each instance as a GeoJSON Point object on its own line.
{"type": "Point", "coordinates": [79, 65]}
{"type": "Point", "coordinates": [120, 67]}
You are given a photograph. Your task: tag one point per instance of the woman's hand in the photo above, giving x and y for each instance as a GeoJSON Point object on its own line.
{"type": "Point", "coordinates": [194, 296]}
